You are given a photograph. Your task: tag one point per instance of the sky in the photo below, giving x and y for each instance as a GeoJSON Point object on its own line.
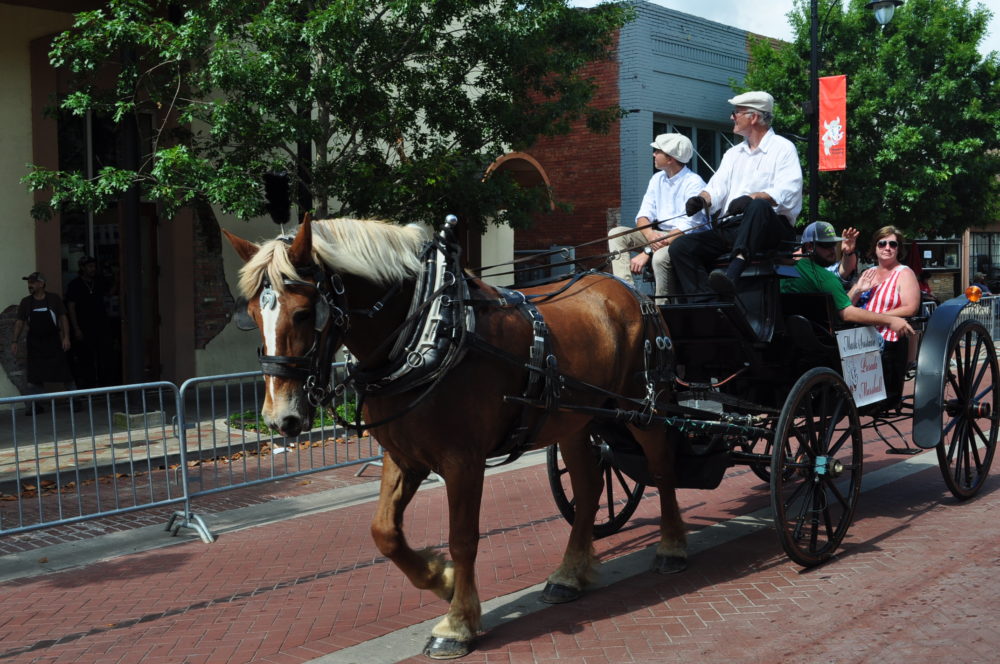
{"type": "Point", "coordinates": [767, 17]}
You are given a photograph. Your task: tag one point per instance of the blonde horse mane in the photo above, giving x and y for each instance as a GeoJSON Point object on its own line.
{"type": "Point", "coordinates": [381, 252]}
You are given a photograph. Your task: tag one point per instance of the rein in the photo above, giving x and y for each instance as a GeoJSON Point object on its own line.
{"type": "Point", "coordinates": [607, 256]}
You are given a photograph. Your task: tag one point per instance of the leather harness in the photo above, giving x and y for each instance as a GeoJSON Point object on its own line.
{"type": "Point", "coordinates": [436, 334]}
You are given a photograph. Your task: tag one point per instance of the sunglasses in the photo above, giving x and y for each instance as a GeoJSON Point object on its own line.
{"type": "Point", "coordinates": [826, 245]}
{"type": "Point", "coordinates": [892, 244]}
{"type": "Point", "coordinates": [734, 114]}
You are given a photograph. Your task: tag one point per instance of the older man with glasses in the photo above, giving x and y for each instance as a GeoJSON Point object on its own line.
{"type": "Point", "coordinates": [759, 178]}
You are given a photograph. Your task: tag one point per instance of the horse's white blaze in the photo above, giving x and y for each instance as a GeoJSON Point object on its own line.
{"type": "Point", "coordinates": [269, 325]}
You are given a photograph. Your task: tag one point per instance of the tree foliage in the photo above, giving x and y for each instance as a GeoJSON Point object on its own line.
{"type": "Point", "coordinates": [923, 112]}
{"type": "Point", "coordinates": [399, 104]}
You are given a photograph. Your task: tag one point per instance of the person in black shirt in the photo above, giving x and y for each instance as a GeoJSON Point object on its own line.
{"type": "Point", "coordinates": [44, 316]}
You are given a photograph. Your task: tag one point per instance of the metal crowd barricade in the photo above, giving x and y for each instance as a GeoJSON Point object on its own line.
{"type": "Point", "coordinates": [225, 445]}
{"type": "Point", "coordinates": [987, 312]}
{"type": "Point", "coordinates": [67, 457]}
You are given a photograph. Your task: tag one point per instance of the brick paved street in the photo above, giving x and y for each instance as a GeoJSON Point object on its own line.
{"type": "Point", "coordinates": [914, 583]}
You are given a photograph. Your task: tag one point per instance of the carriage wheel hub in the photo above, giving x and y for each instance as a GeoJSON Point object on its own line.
{"type": "Point", "coordinates": [974, 409]}
{"type": "Point", "coordinates": [828, 466]}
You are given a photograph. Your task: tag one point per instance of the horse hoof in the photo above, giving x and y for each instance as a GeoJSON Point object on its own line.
{"type": "Point", "coordinates": [439, 647]}
{"type": "Point", "coordinates": [557, 593]}
{"type": "Point", "coordinates": [669, 564]}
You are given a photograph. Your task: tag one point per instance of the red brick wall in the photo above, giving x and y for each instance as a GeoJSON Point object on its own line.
{"type": "Point", "coordinates": [583, 170]}
{"type": "Point", "coordinates": [213, 303]}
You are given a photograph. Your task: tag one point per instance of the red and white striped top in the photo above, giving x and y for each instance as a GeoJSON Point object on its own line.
{"type": "Point", "coordinates": [885, 297]}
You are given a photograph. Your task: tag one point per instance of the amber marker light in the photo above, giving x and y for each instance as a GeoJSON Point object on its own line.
{"type": "Point", "coordinates": [974, 293]}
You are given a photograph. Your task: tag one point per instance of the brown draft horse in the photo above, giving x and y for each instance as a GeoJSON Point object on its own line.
{"type": "Point", "coordinates": [596, 333]}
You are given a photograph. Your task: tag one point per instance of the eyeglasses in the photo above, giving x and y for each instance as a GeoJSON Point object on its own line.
{"type": "Point", "coordinates": [892, 244]}
{"type": "Point", "coordinates": [736, 113]}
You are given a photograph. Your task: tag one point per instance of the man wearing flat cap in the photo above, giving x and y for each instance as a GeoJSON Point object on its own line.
{"type": "Point", "coordinates": [759, 178]}
{"type": "Point", "coordinates": [661, 218]}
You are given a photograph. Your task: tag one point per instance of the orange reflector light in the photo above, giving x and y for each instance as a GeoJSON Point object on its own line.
{"type": "Point", "coordinates": [974, 293]}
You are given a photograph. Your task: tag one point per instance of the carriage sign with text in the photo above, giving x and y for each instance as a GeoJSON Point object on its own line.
{"type": "Point", "coordinates": [453, 372]}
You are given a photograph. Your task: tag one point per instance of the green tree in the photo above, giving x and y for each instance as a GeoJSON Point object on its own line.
{"type": "Point", "coordinates": [923, 112]}
{"type": "Point", "coordinates": [390, 109]}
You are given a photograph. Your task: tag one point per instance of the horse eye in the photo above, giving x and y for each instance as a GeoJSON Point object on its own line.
{"type": "Point", "coordinates": [302, 316]}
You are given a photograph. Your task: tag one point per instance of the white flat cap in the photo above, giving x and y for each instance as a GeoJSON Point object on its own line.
{"type": "Point", "coordinates": [758, 100]}
{"type": "Point", "coordinates": [677, 146]}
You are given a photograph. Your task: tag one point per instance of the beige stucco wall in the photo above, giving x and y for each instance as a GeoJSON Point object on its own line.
{"type": "Point", "coordinates": [497, 248]}
{"type": "Point", "coordinates": [234, 350]}
{"type": "Point", "coordinates": [18, 27]}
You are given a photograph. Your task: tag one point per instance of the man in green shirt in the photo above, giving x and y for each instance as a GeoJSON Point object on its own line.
{"type": "Point", "coordinates": [814, 277]}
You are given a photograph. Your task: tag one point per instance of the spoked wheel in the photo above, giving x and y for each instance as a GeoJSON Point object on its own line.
{"type": "Point", "coordinates": [618, 501]}
{"type": "Point", "coordinates": [816, 471]}
{"type": "Point", "coordinates": [971, 417]}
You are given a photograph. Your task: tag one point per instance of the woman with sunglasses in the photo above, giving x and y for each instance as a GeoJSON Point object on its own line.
{"type": "Point", "coordinates": [889, 288]}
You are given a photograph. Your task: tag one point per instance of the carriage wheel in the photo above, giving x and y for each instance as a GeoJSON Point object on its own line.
{"type": "Point", "coordinates": [816, 472]}
{"type": "Point", "coordinates": [620, 497]}
{"type": "Point", "coordinates": [971, 415]}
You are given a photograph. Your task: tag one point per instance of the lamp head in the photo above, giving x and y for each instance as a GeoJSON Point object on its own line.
{"type": "Point", "coordinates": [884, 9]}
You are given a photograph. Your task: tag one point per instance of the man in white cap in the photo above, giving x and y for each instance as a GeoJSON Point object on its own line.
{"type": "Point", "coordinates": [819, 249]}
{"type": "Point", "coordinates": [759, 178]}
{"type": "Point", "coordinates": [661, 218]}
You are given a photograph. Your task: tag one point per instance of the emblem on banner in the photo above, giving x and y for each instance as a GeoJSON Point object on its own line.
{"type": "Point", "coordinates": [833, 135]}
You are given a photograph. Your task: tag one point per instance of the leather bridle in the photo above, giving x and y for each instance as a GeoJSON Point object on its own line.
{"type": "Point", "coordinates": [332, 322]}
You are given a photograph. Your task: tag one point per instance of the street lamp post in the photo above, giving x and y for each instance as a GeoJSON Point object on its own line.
{"type": "Point", "coordinates": [883, 10]}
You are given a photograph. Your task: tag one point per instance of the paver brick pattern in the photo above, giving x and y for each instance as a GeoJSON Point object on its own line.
{"type": "Point", "coordinates": [914, 583]}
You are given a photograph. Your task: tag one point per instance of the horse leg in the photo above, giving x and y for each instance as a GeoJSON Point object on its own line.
{"type": "Point", "coordinates": [425, 570]}
{"type": "Point", "coordinates": [453, 636]}
{"type": "Point", "coordinates": [660, 449]}
{"type": "Point", "coordinates": [579, 562]}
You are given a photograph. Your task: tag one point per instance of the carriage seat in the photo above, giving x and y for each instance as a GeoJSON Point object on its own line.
{"type": "Point", "coordinates": [757, 291]}
{"type": "Point", "coordinates": [810, 322]}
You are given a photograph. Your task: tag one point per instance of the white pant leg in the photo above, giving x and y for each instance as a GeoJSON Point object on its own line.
{"type": "Point", "coordinates": [624, 243]}
{"type": "Point", "coordinates": [663, 273]}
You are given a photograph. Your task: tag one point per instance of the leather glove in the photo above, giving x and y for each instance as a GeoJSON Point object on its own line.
{"type": "Point", "coordinates": [738, 205]}
{"type": "Point", "coordinates": [694, 205]}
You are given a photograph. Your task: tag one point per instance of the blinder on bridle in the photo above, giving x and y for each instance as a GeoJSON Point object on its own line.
{"type": "Point", "coordinates": [244, 321]}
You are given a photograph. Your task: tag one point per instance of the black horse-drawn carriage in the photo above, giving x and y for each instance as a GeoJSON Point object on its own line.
{"type": "Point", "coordinates": [454, 371]}
{"type": "Point", "coordinates": [775, 382]}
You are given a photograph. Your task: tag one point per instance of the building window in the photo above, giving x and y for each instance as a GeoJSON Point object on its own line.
{"type": "Point", "coordinates": [984, 256]}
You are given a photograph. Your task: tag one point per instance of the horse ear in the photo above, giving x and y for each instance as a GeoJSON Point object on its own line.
{"type": "Point", "coordinates": [244, 248]}
{"type": "Point", "coordinates": [300, 253]}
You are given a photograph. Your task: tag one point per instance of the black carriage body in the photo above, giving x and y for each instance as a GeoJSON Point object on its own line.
{"type": "Point", "coordinates": [759, 382]}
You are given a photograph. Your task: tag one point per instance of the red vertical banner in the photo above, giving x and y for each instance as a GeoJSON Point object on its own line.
{"type": "Point", "coordinates": [833, 123]}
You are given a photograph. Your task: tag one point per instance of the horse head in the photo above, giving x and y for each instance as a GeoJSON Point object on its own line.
{"type": "Point", "coordinates": [294, 294]}
{"type": "Point", "coordinates": [300, 310]}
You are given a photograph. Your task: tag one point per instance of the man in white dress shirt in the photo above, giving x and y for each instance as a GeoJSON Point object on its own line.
{"type": "Point", "coordinates": [760, 178]}
{"type": "Point", "coordinates": [661, 218]}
